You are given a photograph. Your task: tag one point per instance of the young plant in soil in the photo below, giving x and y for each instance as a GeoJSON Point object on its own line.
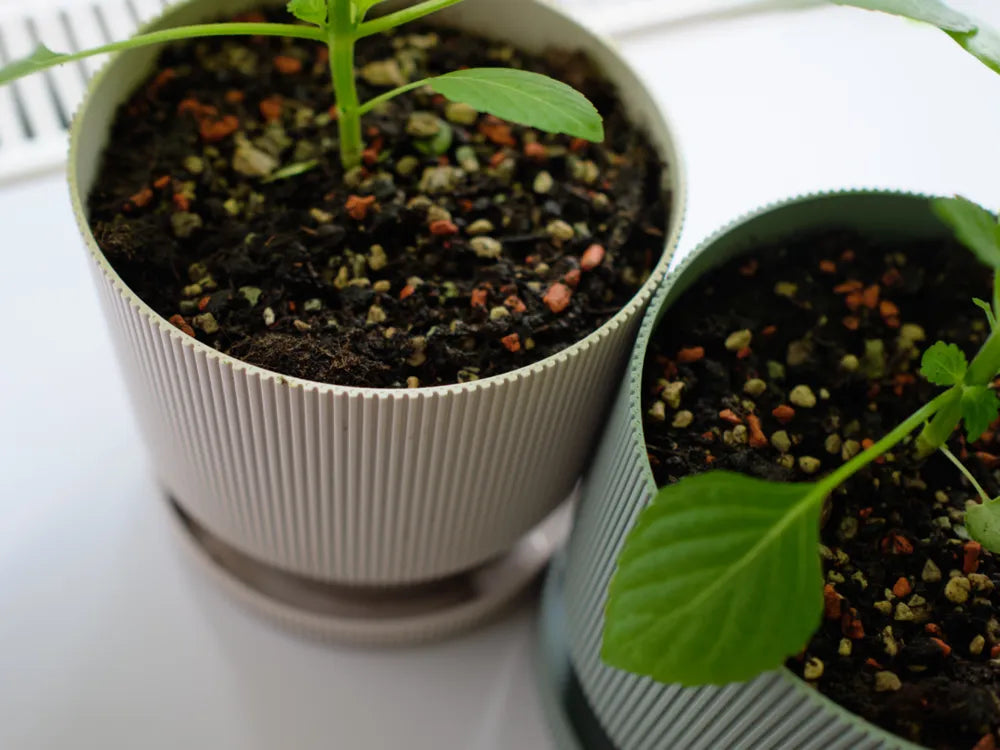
{"type": "Point", "coordinates": [516, 95]}
{"type": "Point", "coordinates": [741, 553]}
{"type": "Point", "coordinates": [461, 247]}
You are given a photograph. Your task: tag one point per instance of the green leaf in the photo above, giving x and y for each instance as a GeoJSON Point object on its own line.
{"type": "Point", "coordinates": [437, 144]}
{"type": "Point", "coordinates": [983, 523]}
{"type": "Point", "coordinates": [983, 44]}
{"type": "Point", "coordinates": [525, 98]}
{"type": "Point", "coordinates": [974, 227]}
{"type": "Point", "coordinates": [980, 407]}
{"type": "Point", "coordinates": [987, 308]}
{"type": "Point", "coordinates": [40, 59]}
{"type": "Point", "coordinates": [292, 170]}
{"type": "Point", "coordinates": [711, 555]}
{"type": "Point", "coordinates": [929, 11]}
{"type": "Point", "coordinates": [943, 364]}
{"type": "Point", "coordinates": [310, 11]}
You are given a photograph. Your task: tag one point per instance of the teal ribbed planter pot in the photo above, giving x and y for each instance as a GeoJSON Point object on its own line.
{"type": "Point", "coordinates": [776, 710]}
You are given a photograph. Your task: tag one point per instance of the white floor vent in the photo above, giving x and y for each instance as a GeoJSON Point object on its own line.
{"type": "Point", "coordinates": [35, 112]}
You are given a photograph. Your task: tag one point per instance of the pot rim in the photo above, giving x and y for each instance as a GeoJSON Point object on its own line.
{"type": "Point", "coordinates": [676, 181]}
{"type": "Point", "coordinates": [651, 321]}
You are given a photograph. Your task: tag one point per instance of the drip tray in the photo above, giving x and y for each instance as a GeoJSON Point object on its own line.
{"type": "Point", "coordinates": [377, 616]}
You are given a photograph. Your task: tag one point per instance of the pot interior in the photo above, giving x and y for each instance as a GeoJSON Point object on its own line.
{"type": "Point", "coordinates": [881, 215]}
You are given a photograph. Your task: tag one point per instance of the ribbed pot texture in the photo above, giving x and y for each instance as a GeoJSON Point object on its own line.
{"type": "Point", "coordinates": [776, 710]}
{"type": "Point", "coordinates": [354, 485]}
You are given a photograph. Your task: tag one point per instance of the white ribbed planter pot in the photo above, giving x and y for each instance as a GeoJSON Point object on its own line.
{"type": "Point", "coordinates": [776, 710]}
{"type": "Point", "coordinates": [352, 485]}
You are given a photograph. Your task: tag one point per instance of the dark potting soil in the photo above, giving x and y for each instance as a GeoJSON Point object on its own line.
{"type": "Point", "coordinates": [791, 360]}
{"type": "Point", "coordinates": [463, 247]}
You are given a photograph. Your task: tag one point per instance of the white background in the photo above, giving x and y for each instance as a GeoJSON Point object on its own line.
{"type": "Point", "coordinates": [108, 640]}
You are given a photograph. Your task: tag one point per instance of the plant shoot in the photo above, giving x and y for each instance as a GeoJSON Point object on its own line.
{"type": "Point", "coordinates": [516, 95]}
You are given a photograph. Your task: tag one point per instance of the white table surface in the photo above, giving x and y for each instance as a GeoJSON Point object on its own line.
{"type": "Point", "coordinates": [109, 640]}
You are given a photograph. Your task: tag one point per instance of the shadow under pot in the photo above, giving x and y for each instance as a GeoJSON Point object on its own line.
{"type": "Point", "coordinates": [371, 514]}
{"type": "Point", "coordinates": [780, 349]}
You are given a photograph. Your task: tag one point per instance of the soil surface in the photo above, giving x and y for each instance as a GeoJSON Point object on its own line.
{"type": "Point", "coordinates": [793, 359]}
{"type": "Point", "coordinates": [463, 247]}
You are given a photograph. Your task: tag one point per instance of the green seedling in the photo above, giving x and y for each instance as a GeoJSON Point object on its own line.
{"type": "Point", "coordinates": [515, 95]}
{"type": "Point", "coordinates": [742, 552]}
{"type": "Point", "coordinates": [718, 547]}
{"type": "Point", "coordinates": [518, 96]}
{"type": "Point", "coordinates": [725, 548]}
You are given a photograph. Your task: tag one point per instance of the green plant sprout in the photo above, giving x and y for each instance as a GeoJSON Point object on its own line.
{"type": "Point", "coordinates": [515, 95]}
{"type": "Point", "coordinates": [518, 96]}
{"type": "Point", "coordinates": [725, 548]}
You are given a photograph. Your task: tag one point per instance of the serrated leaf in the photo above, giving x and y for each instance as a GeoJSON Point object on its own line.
{"type": "Point", "coordinates": [943, 364]}
{"type": "Point", "coordinates": [525, 98]}
{"type": "Point", "coordinates": [983, 523]}
{"type": "Point", "coordinates": [38, 60]}
{"type": "Point", "coordinates": [310, 11]}
{"type": "Point", "coordinates": [929, 11]}
{"type": "Point", "coordinates": [974, 227]}
{"type": "Point", "coordinates": [980, 408]}
{"type": "Point", "coordinates": [709, 555]}
{"type": "Point", "coordinates": [983, 44]}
